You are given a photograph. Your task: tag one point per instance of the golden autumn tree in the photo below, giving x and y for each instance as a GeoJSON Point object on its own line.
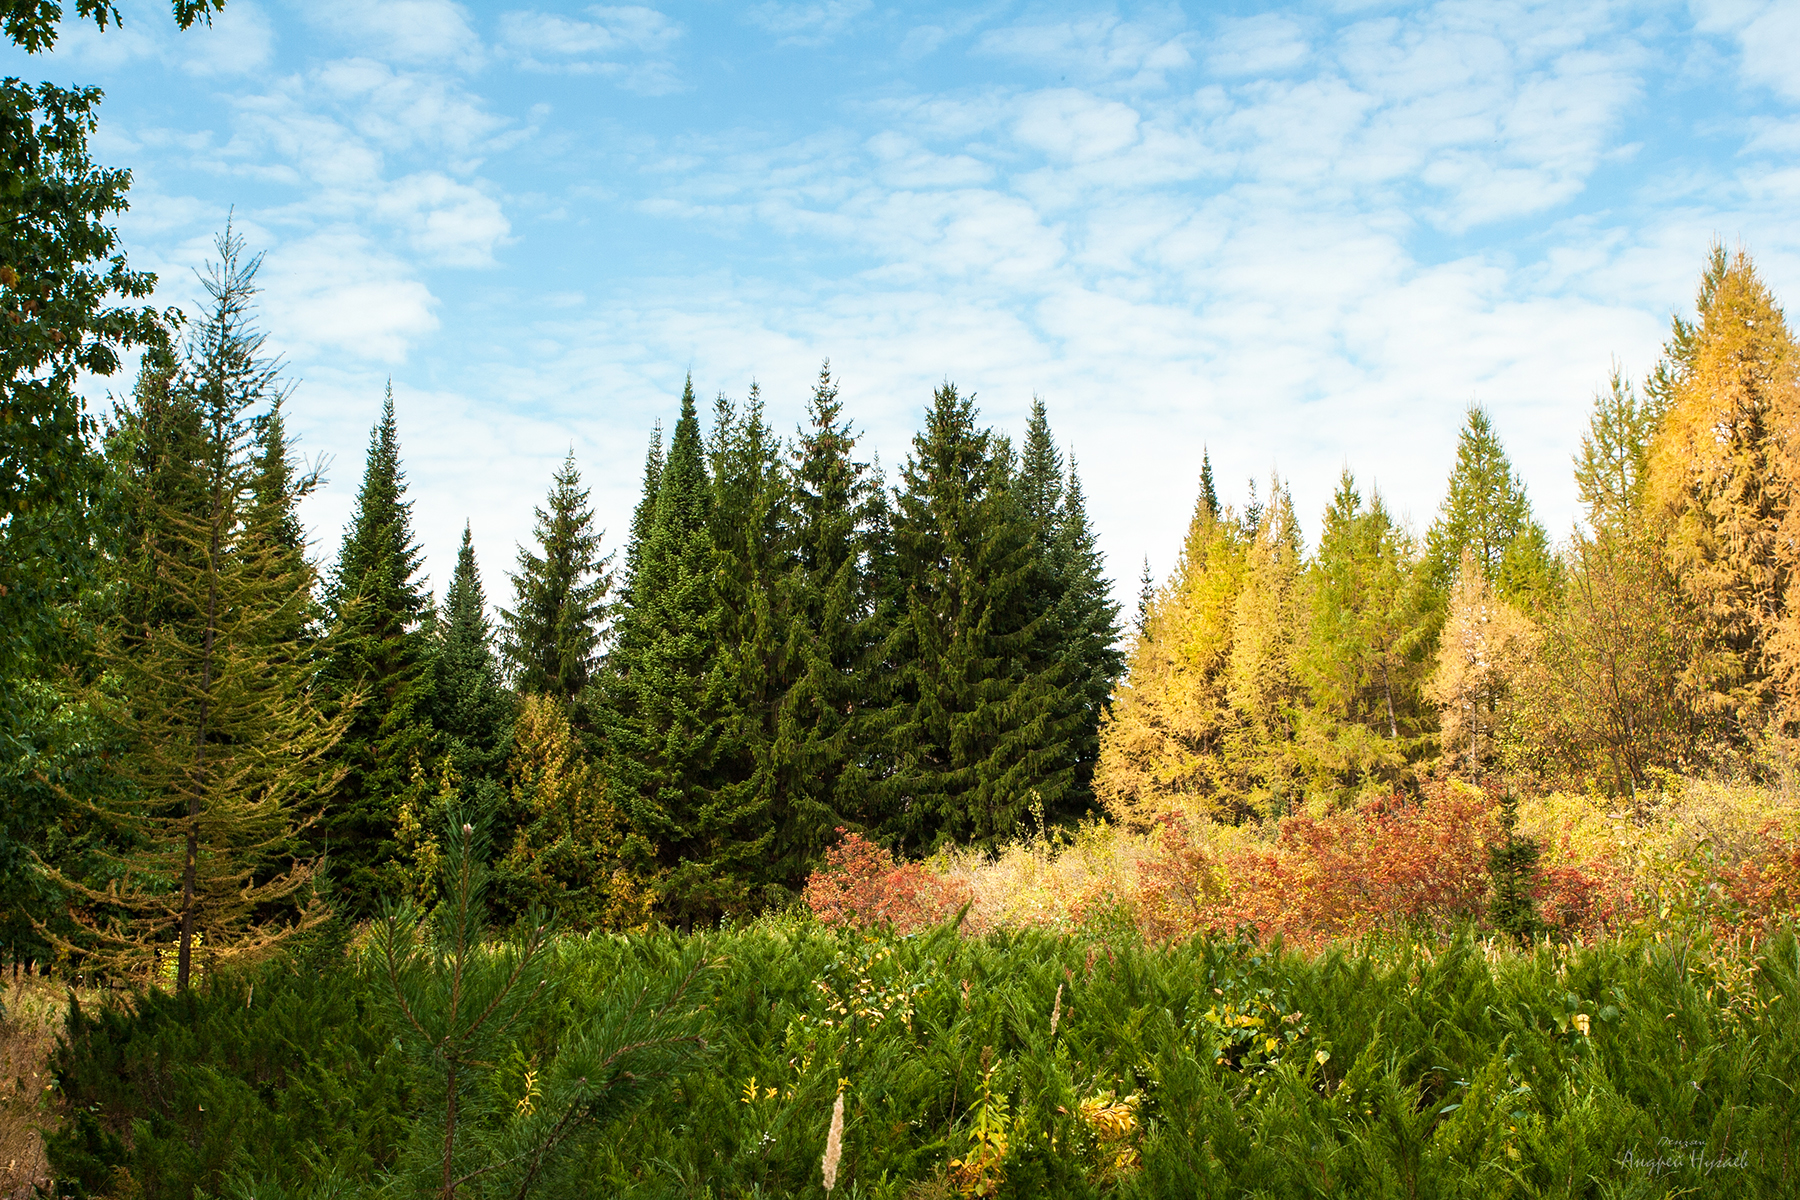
{"type": "Point", "coordinates": [1206, 718]}
{"type": "Point", "coordinates": [570, 848]}
{"type": "Point", "coordinates": [1485, 657]}
{"type": "Point", "coordinates": [1722, 475]}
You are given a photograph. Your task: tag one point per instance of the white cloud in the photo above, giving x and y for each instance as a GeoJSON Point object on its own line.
{"type": "Point", "coordinates": [1263, 45]}
{"type": "Point", "coordinates": [808, 23]}
{"type": "Point", "coordinates": [449, 223]}
{"type": "Point", "coordinates": [337, 290]}
{"type": "Point", "coordinates": [1074, 126]}
{"type": "Point", "coordinates": [1768, 36]}
{"type": "Point", "coordinates": [240, 40]}
{"type": "Point", "coordinates": [413, 31]}
{"type": "Point", "coordinates": [627, 44]}
{"type": "Point", "coordinates": [1095, 48]}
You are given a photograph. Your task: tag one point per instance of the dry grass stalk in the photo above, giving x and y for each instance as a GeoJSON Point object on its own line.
{"type": "Point", "coordinates": [1056, 1010]}
{"type": "Point", "coordinates": [34, 1010]}
{"type": "Point", "coordinates": [834, 1143]}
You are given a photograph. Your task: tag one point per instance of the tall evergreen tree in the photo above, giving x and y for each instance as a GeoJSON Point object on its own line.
{"type": "Point", "coordinates": [1486, 512]}
{"type": "Point", "coordinates": [1365, 655]}
{"type": "Point", "coordinates": [668, 711]}
{"type": "Point", "coordinates": [1146, 599]}
{"type": "Point", "coordinates": [1613, 468]}
{"type": "Point", "coordinates": [752, 533]}
{"type": "Point", "coordinates": [978, 738]}
{"type": "Point", "coordinates": [222, 745]}
{"type": "Point", "coordinates": [470, 708]}
{"type": "Point", "coordinates": [826, 747]}
{"type": "Point", "coordinates": [377, 661]}
{"type": "Point", "coordinates": [1723, 476]}
{"type": "Point", "coordinates": [1088, 618]}
{"type": "Point", "coordinates": [643, 516]}
{"type": "Point", "coordinates": [552, 632]}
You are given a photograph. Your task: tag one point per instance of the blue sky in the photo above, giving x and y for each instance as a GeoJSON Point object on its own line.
{"type": "Point", "coordinates": [1305, 237]}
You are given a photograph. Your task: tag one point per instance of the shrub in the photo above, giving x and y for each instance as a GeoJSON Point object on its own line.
{"type": "Point", "coordinates": [860, 885]}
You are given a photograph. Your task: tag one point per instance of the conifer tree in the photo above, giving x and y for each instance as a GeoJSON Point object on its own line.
{"type": "Point", "coordinates": [1485, 511]}
{"type": "Point", "coordinates": [567, 853]}
{"type": "Point", "coordinates": [826, 751]}
{"type": "Point", "coordinates": [668, 712]}
{"type": "Point", "coordinates": [1482, 681]}
{"type": "Point", "coordinates": [1616, 650]}
{"type": "Point", "coordinates": [1364, 658]}
{"type": "Point", "coordinates": [377, 662]}
{"type": "Point", "coordinates": [1088, 619]}
{"type": "Point", "coordinates": [470, 709]}
{"type": "Point", "coordinates": [753, 534]}
{"type": "Point", "coordinates": [222, 745]}
{"type": "Point", "coordinates": [552, 632]}
{"type": "Point", "coordinates": [642, 517]}
{"type": "Point", "coordinates": [1612, 470]}
{"type": "Point", "coordinates": [978, 737]}
{"type": "Point", "coordinates": [1146, 599]}
{"type": "Point", "coordinates": [1160, 743]}
{"type": "Point", "coordinates": [1722, 474]}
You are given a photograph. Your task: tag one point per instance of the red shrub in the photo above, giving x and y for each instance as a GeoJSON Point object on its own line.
{"type": "Point", "coordinates": [1389, 862]}
{"type": "Point", "coordinates": [1766, 887]}
{"type": "Point", "coordinates": [1580, 900]}
{"type": "Point", "coordinates": [860, 885]}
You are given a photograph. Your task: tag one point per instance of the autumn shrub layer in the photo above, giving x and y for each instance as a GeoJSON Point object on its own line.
{"type": "Point", "coordinates": [1701, 855]}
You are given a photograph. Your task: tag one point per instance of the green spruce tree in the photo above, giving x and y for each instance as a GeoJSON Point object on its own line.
{"type": "Point", "coordinates": [752, 534]}
{"type": "Point", "coordinates": [552, 633]}
{"type": "Point", "coordinates": [668, 713]}
{"type": "Point", "coordinates": [377, 664]}
{"type": "Point", "coordinates": [1486, 512]}
{"type": "Point", "coordinates": [470, 708]}
{"type": "Point", "coordinates": [978, 738]}
{"type": "Point", "coordinates": [827, 756]}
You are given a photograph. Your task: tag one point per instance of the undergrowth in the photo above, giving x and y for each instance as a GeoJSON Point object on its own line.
{"type": "Point", "coordinates": [1015, 1063]}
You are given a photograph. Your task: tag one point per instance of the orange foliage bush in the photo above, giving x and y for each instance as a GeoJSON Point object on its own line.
{"type": "Point", "coordinates": [1390, 862]}
{"type": "Point", "coordinates": [860, 885]}
{"type": "Point", "coordinates": [1766, 887]}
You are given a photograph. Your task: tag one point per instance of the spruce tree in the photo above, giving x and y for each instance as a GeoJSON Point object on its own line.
{"type": "Point", "coordinates": [752, 534]}
{"type": "Point", "coordinates": [223, 749]}
{"type": "Point", "coordinates": [377, 665]}
{"type": "Point", "coordinates": [470, 708]}
{"type": "Point", "coordinates": [1364, 660]}
{"type": "Point", "coordinates": [826, 747]}
{"type": "Point", "coordinates": [643, 516]}
{"type": "Point", "coordinates": [668, 717]}
{"type": "Point", "coordinates": [1146, 600]}
{"type": "Point", "coordinates": [552, 632]}
{"type": "Point", "coordinates": [1485, 511]}
{"type": "Point", "coordinates": [977, 737]}
{"type": "Point", "coordinates": [1088, 618]}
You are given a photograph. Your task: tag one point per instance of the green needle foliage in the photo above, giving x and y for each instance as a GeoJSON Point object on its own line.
{"type": "Point", "coordinates": [497, 1119]}
{"type": "Point", "coordinates": [552, 632]}
{"type": "Point", "coordinates": [223, 750]}
{"type": "Point", "coordinates": [1080, 1066]}
{"type": "Point", "coordinates": [379, 656]}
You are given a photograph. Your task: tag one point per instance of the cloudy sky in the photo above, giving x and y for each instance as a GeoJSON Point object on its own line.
{"type": "Point", "coordinates": [1305, 237]}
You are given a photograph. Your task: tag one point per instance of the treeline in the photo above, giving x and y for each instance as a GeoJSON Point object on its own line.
{"type": "Point", "coordinates": [235, 744]}
{"type": "Point", "coordinates": [1662, 637]}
